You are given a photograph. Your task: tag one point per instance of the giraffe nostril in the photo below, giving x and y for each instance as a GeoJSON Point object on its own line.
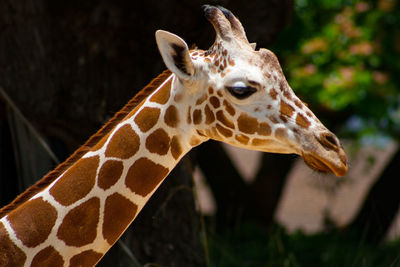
{"type": "Point", "coordinates": [329, 141]}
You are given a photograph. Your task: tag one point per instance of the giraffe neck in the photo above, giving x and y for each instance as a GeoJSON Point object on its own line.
{"type": "Point", "coordinates": [80, 215]}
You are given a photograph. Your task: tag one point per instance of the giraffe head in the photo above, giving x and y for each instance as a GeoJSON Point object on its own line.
{"type": "Point", "coordinates": [240, 96]}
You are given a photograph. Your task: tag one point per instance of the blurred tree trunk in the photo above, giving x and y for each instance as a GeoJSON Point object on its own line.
{"type": "Point", "coordinates": [266, 189]}
{"type": "Point", "coordinates": [381, 204]}
{"type": "Point", "coordinates": [236, 200]}
{"type": "Point", "coordinates": [228, 187]}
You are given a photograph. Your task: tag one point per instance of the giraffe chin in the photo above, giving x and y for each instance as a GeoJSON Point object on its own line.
{"type": "Point", "coordinates": [322, 166]}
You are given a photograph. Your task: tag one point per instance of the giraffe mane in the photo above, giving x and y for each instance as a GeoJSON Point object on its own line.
{"type": "Point", "coordinates": [94, 139]}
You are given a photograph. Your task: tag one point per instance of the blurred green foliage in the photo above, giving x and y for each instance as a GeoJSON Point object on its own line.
{"type": "Point", "coordinates": [343, 57]}
{"type": "Point", "coordinates": [252, 246]}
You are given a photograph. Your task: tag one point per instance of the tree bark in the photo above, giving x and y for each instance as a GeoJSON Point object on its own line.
{"type": "Point", "coordinates": [265, 191]}
{"type": "Point", "coordinates": [381, 204]}
{"type": "Point", "coordinates": [236, 200]}
{"type": "Point", "coordinates": [228, 187]}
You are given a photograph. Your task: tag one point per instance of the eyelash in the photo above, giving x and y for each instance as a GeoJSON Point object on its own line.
{"type": "Point", "coordinates": [241, 92]}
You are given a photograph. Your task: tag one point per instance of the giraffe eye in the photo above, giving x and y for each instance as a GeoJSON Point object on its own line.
{"type": "Point", "coordinates": [241, 92]}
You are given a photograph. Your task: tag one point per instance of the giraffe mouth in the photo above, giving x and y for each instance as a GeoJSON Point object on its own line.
{"type": "Point", "coordinates": [320, 165]}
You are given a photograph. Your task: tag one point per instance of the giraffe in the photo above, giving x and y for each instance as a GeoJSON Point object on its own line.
{"type": "Point", "coordinates": [231, 93]}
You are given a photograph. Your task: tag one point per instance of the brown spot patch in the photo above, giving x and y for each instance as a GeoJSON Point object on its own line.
{"type": "Point", "coordinates": [171, 117]}
{"type": "Point", "coordinates": [32, 222]}
{"type": "Point", "coordinates": [210, 117]}
{"type": "Point", "coordinates": [264, 129]}
{"type": "Point", "coordinates": [302, 121]}
{"type": "Point", "coordinates": [163, 94]}
{"type": "Point", "coordinates": [283, 118]}
{"type": "Point", "coordinates": [86, 258]}
{"type": "Point", "coordinates": [77, 181]}
{"type": "Point", "coordinates": [282, 86]}
{"type": "Point", "coordinates": [209, 133]}
{"type": "Point", "coordinates": [178, 97]}
{"type": "Point", "coordinates": [287, 94]}
{"type": "Point", "coordinates": [219, 93]}
{"type": "Point", "coordinates": [200, 132]}
{"type": "Point", "coordinates": [214, 102]}
{"type": "Point", "coordinates": [215, 134]}
{"type": "Point", "coordinates": [10, 254]}
{"type": "Point", "coordinates": [273, 93]}
{"type": "Point", "coordinates": [48, 256]}
{"type": "Point", "coordinates": [201, 99]}
{"type": "Point", "coordinates": [194, 141]}
{"type": "Point", "coordinates": [281, 133]}
{"type": "Point", "coordinates": [158, 142]}
{"type": "Point", "coordinates": [197, 116]}
{"type": "Point", "coordinates": [118, 214]}
{"type": "Point", "coordinates": [273, 119]}
{"type": "Point", "coordinates": [109, 173]}
{"type": "Point", "coordinates": [224, 120]}
{"type": "Point", "coordinates": [79, 225]}
{"type": "Point", "coordinates": [144, 175]}
{"type": "Point", "coordinates": [260, 142]}
{"type": "Point", "coordinates": [286, 109]}
{"type": "Point", "coordinates": [247, 124]}
{"type": "Point", "coordinates": [242, 139]}
{"type": "Point", "coordinates": [210, 90]}
{"type": "Point", "coordinates": [147, 118]}
{"type": "Point", "coordinates": [124, 143]}
{"type": "Point", "coordinates": [298, 103]}
{"type": "Point", "coordinates": [225, 132]}
{"type": "Point", "coordinates": [229, 108]}
{"type": "Point", "coordinates": [176, 148]}
{"type": "Point", "coordinates": [231, 62]}
{"type": "Point", "coordinates": [251, 125]}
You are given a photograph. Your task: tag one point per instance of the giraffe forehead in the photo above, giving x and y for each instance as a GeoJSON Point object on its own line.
{"type": "Point", "coordinates": [232, 64]}
{"type": "Point", "coordinates": [263, 63]}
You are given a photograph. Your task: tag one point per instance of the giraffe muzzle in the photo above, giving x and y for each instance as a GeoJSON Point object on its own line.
{"type": "Point", "coordinates": [324, 165]}
{"type": "Point", "coordinates": [329, 157]}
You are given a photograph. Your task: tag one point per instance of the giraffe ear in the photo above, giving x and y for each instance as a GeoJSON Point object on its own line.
{"type": "Point", "coordinates": [175, 54]}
